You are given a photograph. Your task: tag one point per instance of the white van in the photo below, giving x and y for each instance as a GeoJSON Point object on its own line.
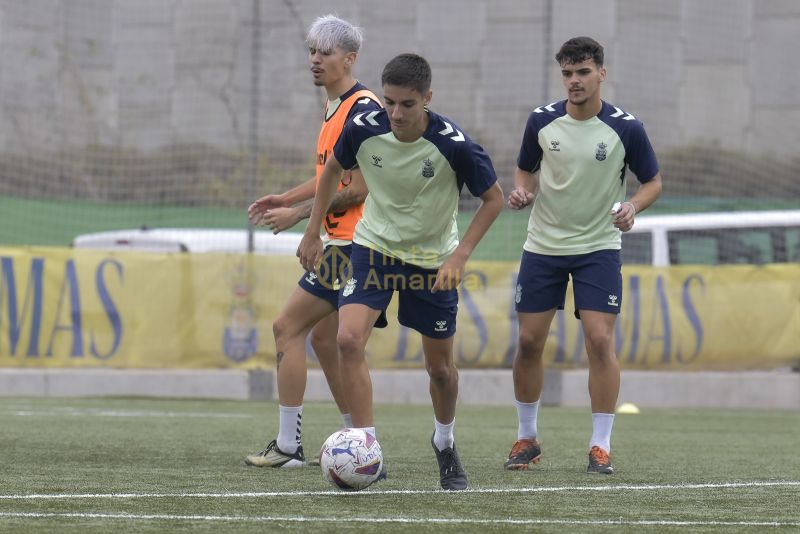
{"type": "Point", "coordinates": [196, 240]}
{"type": "Point", "coordinates": [755, 237]}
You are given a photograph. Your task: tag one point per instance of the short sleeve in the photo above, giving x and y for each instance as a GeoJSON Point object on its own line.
{"type": "Point", "coordinates": [530, 153]}
{"type": "Point", "coordinates": [474, 169]}
{"type": "Point", "coordinates": [639, 154]}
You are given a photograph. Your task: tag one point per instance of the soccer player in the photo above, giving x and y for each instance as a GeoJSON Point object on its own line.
{"type": "Point", "coordinates": [580, 147]}
{"type": "Point", "coordinates": [333, 46]}
{"type": "Point", "coordinates": [415, 163]}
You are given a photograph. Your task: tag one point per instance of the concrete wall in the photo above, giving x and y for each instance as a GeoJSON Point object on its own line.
{"type": "Point", "coordinates": [773, 390]}
{"type": "Point", "coordinates": [150, 73]}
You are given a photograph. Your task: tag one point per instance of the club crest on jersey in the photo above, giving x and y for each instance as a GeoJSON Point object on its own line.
{"type": "Point", "coordinates": [600, 155]}
{"type": "Point", "coordinates": [427, 168]}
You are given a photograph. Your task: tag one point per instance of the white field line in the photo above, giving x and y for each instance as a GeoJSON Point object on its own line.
{"type": "Point", "coordinates": [554, 489]}
{"type": "Point", "coordinates": [117, 413]}
{"type": "Point", "coordinates": [378, 520]}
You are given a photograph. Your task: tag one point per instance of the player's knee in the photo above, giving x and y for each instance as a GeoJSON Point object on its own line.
{"type": "Point", "coordinates": [600, 345]}
{"type": "Point", "coordinates": [530, 346]}
{"type": "Point", "coordinates": [281, 329]}
{"type": "Point", "coordinates": [350, 343]}
{"type": "Point", "coordinates": [442, 372]}
{"type": "Point", "coordinates": [286, 331]}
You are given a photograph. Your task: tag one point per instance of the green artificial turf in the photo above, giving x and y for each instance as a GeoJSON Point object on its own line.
{"type": "Point", "coordinates": [179, 464]}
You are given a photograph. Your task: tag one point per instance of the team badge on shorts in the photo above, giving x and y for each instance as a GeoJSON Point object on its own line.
{"type": "Point", "coordinates": [349, 287]}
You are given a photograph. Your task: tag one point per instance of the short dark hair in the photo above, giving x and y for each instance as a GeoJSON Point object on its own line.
{"type": "Point", "coordinates": [579, 49]}
{"type": "Point", "coordinates": [408, 70]}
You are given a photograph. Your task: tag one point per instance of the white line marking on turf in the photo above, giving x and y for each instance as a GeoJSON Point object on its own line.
{"type": "Point", "coordinates": [541, 489]}
{"type": "Point", "coordinates": [119, 413]}
{"type": "Point", "coordinates": [410, 520]}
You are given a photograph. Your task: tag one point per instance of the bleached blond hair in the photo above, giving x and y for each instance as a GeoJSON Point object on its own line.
{"type": "Point", "coordinates": [330, 32]}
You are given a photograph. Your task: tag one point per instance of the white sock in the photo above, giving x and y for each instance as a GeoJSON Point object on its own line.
{"type": "Point", "coordinates": [369, 430]}
{"type": "Point", "coordinates": [443, 435]}
{"type": "Point", "coordinates": [527, 413]}
{"type": "Point", "coordinates": [601, 430]}
{"type": "Point", "coordinates": [347, 420]}
{"type": "Point", "coordinates": [290, 428]}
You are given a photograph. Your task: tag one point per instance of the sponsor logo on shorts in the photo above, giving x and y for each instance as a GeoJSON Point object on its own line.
{"type": "Point", "coordinates": [349, 287]}
{"type": "Point", "coordinates": [613, 300]}
{"type": "Point", "coordinates": [311, 277]}
{"type": "Point", "coordinates": [518, 295]}
{"type": "Point", "coordinates": [441, 326]}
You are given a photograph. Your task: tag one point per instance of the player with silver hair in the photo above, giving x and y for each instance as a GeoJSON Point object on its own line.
{"type": "Point", "coordinates": [330, 32]}
{"type": "Point", "coordinates": [312, 308]}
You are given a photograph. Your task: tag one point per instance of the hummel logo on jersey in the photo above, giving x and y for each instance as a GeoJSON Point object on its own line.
{"type": "Point", "coordinates": [554, 145]}
{"type": "Point", "coordinates": [449, 129]}
{"type": "Point", "coordinates": [548, 107]}
{"type": "Point", "coordinates": [365, 100]}
{"type": "Point", "coordinates": [349, 287]}
{"type": "Point", "coordinates": [376, 161]}
{"type": "Point", "coordinates": [441, 326]}
{"type": "Point", "coordinates": [600, 155]}
{"type": "Point", "coordinates": [369, 117]}
{"type": "Point", "coordinates": [612, 300]}
{"type": "Point", "coordinates": [427, 168]}
{"type": "Point", "coordinates": [311, 277]}
{"type": "Point", "coordinates": [619, 113]}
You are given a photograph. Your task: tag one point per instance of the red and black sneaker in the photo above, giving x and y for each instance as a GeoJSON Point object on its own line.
{"type": "Point", "coordinates": [523, 453]}
{"type": "Point", "coordinates": [599, 462]}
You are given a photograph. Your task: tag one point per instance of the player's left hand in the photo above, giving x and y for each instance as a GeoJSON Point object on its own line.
{"type": "Point", "coordinates": [519, 198]}
{"type": "Point", "coordinates": [624, 217]}
{"type": "Point", "coordinates": [449, 274]}
{"type": "Point", "coordinates": [260, 207]}
{"type": "Point", "coordinates": [279, 219]}
{"type": "Point", "coordinates": [310, 251]}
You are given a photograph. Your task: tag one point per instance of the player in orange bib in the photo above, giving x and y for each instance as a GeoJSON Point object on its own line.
{"type": "Point", "coordinates": [333, 46]}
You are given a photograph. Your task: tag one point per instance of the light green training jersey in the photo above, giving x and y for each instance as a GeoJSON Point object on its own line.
{"type": "Point", "coordinates": [410, 212]}
{"type": "Point", "coordinates": [581, 175]}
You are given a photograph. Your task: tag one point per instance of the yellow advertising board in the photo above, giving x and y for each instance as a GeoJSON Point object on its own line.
{"type": "Point", "coordinates": [64, 307]}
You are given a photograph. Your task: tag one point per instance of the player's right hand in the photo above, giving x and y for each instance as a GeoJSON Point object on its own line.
{"type": "Point", "coordinates": [259, 208]}
{"type": "Point", "coordinates": [309, 251]}
{"type": "Point", "coordinates": [280, 219]}
{"type": "Point", "coordinates": [519, 198]}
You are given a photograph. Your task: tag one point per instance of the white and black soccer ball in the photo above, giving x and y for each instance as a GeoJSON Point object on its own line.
{"type": "Point", "coordinates": [351, 459]}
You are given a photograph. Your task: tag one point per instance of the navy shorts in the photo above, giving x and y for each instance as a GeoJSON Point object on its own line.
{"type": "Point", "coordinates": [375, 279]}
{"type": "Point", "coordinates": [596, 282]}
{"type": "Point", "coordinates": [325, 282]}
